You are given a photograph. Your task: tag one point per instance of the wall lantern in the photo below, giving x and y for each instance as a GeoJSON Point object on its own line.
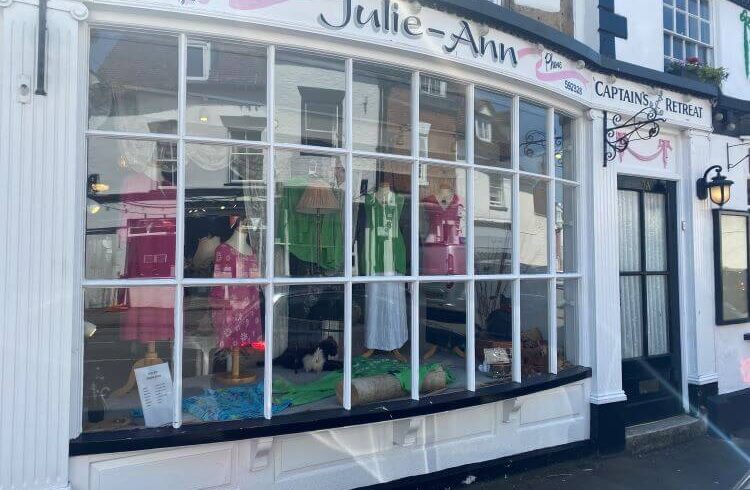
{"type": "Point", "coordinates": [719, 188]}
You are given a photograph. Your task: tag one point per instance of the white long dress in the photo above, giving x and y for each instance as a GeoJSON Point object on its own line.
{"type": "Point", "coordinates": [386, 326]}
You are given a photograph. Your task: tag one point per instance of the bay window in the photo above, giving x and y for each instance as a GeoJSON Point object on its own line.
{"type": "Point", "coordinates": [334, 233]}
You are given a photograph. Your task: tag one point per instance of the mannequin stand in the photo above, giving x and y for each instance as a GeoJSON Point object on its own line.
{"type": "Point", "coordinates": [151, 359]}
{"type": "Point", "coordinates": [432, 349]}
{"type": "Point", "coordinates": [234, 377]}
{"type": "Point", "coordinates": [395, 353]}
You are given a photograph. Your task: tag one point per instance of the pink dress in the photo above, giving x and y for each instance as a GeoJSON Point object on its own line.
{"type": "Point", "coordinates": [235, 310]}
{"type": "Point", "coordinates": [443, 251]}
{"type": "Point", "coordinates": [149, 231]}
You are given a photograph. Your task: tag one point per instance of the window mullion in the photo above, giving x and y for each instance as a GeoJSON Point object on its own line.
{"type": "Point", "coordinates": [516, 230]}
{"type": "Point", "coordinates": [469, 303]}
{"type": "Point", "coordinates": [348, 234]}
{"type": "Point", "coordinates": [270, 232]}
{"type": "Point", "coordinates": [551, 243]}
{"type": "Point", "coordinates": [180, 230]}
{"type": "Point", "coordinates": [415, 135]}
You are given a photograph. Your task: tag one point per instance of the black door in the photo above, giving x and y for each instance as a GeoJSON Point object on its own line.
{"type": "Point", "coordinates": [649, 299]}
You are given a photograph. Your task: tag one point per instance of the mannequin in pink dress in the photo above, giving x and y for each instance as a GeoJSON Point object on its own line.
{"type": "Point", "coordinates": [443, 249]}
{"type": "Point", "coordinates": [235, 310]}
{"type": "Point", "coordinates": [149, 231]}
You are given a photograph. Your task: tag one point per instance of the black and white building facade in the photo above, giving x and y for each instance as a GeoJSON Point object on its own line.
{"type": "Point", "coordinates": [332, 244]}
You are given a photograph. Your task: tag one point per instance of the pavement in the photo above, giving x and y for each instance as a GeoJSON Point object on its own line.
{"type": "Point", "coordinates": [701, 464]}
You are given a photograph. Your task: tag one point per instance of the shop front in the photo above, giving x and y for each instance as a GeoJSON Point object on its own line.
{"type": "Point", "coordinates": [333, 244]}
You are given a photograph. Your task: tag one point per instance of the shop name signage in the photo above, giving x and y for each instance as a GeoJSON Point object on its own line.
{"type": "Point", "coordinates": [641, 98]}
{"type": "Point", "coordinates": [388, 20]}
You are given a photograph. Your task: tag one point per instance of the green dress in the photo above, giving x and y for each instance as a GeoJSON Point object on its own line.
{"type": "Point", "coordinates": [384, 249]}
{"type": "Point", "coordinates": [301, 231]}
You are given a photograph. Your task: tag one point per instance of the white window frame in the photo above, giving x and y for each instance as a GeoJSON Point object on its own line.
{"type": "Point", "coordinates": [206, 48]}
{"type": "Point", "coordinates": [269, 281]}
{"type": "Point", "coordinates": [672, 34]}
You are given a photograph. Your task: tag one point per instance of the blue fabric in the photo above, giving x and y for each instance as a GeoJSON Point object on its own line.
{"type": "Point", "coordinates": [236, 403]}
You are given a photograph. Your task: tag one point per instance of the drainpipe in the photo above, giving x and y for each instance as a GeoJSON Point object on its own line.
{"type": "Point", "coordinates": [41, 50]}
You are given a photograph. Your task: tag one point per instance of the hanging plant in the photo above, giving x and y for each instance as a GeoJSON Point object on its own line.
{"type": "Point", "coordinates": [693, 68]}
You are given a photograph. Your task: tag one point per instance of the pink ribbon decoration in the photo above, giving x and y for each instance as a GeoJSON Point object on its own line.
{"type": "Point", "coordinates": [550, 76]}
{"type": "Point", "coordinates": [745, 368]}
{"type": "Point", "coordinates": [253, 4]}
{"type": "Point", "coordinates": [663, 148]}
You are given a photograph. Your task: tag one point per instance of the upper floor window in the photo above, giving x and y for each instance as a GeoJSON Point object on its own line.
{"type": "Point", "coordinates": [687, 31]}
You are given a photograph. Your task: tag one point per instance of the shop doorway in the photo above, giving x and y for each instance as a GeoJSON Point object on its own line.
{"type": "Point", "coordinates": [649, 299]}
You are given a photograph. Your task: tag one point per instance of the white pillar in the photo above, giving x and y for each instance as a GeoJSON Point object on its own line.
{"type": "Point", "coordinates": [603, 269]}
{"type": "Point", "coordinates": [39, 150]}
{"type": "Point", "coordinates": [698, 292]}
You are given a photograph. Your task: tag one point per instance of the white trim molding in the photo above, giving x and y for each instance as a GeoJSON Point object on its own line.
{"type": "Point", "coordinates": [703, 379]}
{"type": "Point", "coordinates": [604, 398]}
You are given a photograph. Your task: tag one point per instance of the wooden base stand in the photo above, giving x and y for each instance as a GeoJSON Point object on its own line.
{"type": "Point", "coordinates": [234, 377]}
{"type": "Point", "coordinates": [151, 359]}
{"type": "Point", "coordinates": [395, 353]}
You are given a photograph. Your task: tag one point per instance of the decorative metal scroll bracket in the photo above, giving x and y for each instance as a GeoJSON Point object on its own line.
{"type": "Point", "coordinates": [730, 166]}
{"type": "Point", "coordinates": [641, 127]}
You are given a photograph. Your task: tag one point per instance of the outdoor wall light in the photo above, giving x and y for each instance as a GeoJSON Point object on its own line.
{"type": "Point", "coordinates": [719, 188]}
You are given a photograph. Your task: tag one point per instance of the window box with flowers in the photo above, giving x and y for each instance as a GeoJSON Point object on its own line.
{"type": "Point", "coordinates": [694, 69]}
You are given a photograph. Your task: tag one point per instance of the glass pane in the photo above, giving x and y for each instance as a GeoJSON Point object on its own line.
{"type": "Point", "coordinates": [494, 332]}
{"type": "Point", "coordinates": [493, 236]}
{"type": "Point", "coordinates": [442, 325]}
{"type": "Point", "coordinates": [309, 214]}
{"type": "Point", "coordinates": [534, 328]}
{"type": "Point", "coordinates": [534, 240]}
{"type": "Point", "coordinates": [680, 4]}
{"type": "Point", "coordinates": [693, 7]}
{"type": "Point", "coordinates": [734, 274]}
{"type": "Point", "coordinates": [703, 54]}
{"type": "Point", "coordinates": [567, 324]}
{"type": "Point", "coordinates": [667, 46]}
{"type": "Point", "coordinates": [693, 25]}
{"type": "Point", "coordinates": [307, 366]}
{"type": "Point", "coordinates": [566, 222]}
{"type": "Point", "coordinates": [565, 163]}
{"type": "Point", "coordinates": [442, 119]}
{"type": "Point", "coordinates": [656, 231]}
{"type": "Point", "coordinates": [225, 211]}
{"type": "Point", "coordinates": [382, 217]}
{"type": "Point", "coordinates": [629, 225]}
{"type": "Point", "coordinates": [131, 209]}
{"type": "Point", "coordinates": [631, 316]}
{"type": "Point", "coordinates": [706, 32]}
{"type": "Point", "coordinates": [678, 49]}
{"type": "Point", "coordinates": [533, 149]}
{"type": "Point", "coordinates": [226, 91]}
{"type": "Point", "coordinates": [668, 18]}
{"type": "Point", "coordinates": [127, 332]}
{"type": "Point", "coordinates": [692, 50]}
{"type": "Point", "coordinates": [681, 22]}
{"type": "Point", "coordinates": [442, 214]}
{"type": "Point", "coordinates": [493, 129]}
{"type": "Point", "coordinates": [657, 312]}
{"type": "Point", "coordinates": [310, 94]}
{"type": "Point", "coordinates": [382, 109]}
{"type": "Point", "coordinates": [133, 82]}
{"type": "Point", "coordinates": [381, 323]}
{"type": "Point", "coordinates": [223, 353]}
{"type": "Point", "coordinates": [705, 10]}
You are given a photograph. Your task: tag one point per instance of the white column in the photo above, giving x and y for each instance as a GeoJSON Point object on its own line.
{"type": "Point", "coordinates": [698, 269]}
{"type": "Point", "coordinates": [602, 267]}
{"type": "Point", "coordinates": [40, 140]}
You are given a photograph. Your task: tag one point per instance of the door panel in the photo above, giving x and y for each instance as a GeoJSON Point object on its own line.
{"type": "Point", "coordinates": [648, 298]}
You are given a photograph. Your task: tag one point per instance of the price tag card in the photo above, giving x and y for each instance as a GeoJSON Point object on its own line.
{"type": "Point", "coordinates": [157, 397]}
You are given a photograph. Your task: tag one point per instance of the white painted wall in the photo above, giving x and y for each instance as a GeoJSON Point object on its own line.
{"type": "Point", "coordinates": [38, 155]}
{"type": "Point", "coordinates": [729, 49]}
{"type": "Point", "coordinates": [351, 457]}
{"type": "Point", "coordinates": [731, 348]}
{"type": "Point", "coordinates": [644, 45]}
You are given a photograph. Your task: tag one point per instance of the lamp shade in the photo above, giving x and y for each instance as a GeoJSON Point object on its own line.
{"type": "Point", "coordinates": [720, 191]}
{"type": "Point", "coordinates": [318, 198]}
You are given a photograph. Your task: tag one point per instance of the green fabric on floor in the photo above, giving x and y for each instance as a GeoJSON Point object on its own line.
{"type": "Point", "coordinates": [301, 394]}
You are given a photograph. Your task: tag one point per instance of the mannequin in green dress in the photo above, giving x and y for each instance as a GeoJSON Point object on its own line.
{"type": "Point", "coordinates": [384, 254]}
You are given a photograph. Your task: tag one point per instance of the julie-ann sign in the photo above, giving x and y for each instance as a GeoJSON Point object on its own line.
{"type": "Point", "coordinates": [413, 28]}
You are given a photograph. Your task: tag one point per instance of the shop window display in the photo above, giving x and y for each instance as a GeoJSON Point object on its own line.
{"type": "Point", "coordinates": [315, 222]}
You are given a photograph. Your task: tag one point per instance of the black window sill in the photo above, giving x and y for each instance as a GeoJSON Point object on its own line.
{"type": "Point", "coordinates": [140, 439]}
